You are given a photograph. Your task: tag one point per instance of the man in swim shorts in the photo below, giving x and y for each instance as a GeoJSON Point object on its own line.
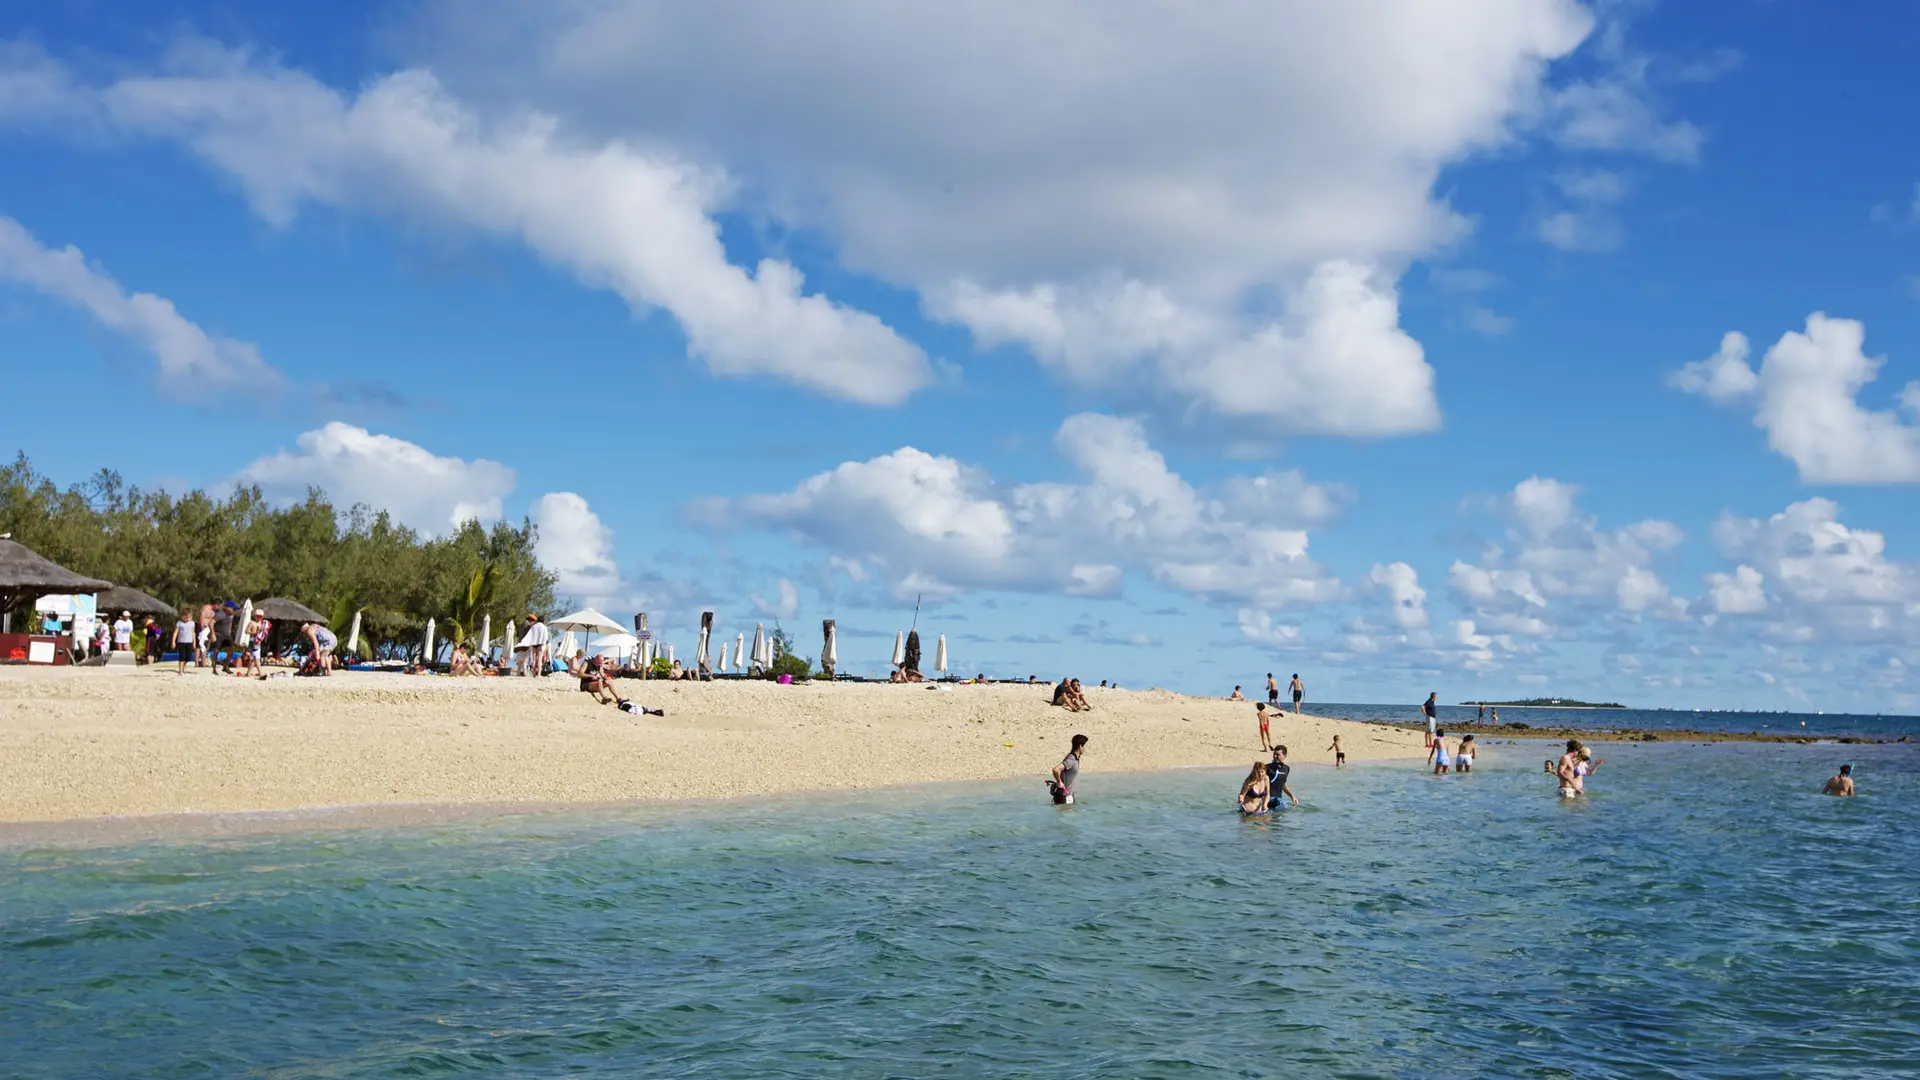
{"type": "Point", "coordinates": [1273, 690]}
{"type": "Point", "coordinates": [1277, 772]}
{"type": "Point", "coordinates": [1299, 691]}
{"type": "Point", "coordinates": [1841, 784]}
{"type": "Point", "coordinates": [1068, 771]}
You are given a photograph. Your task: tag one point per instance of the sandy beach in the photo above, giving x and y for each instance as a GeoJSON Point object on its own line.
{"type": "Point", "coordinates": [86, 743]}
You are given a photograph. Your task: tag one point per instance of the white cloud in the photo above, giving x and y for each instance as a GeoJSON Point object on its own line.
{"type": "Point", "coordinates": [421, 490]}
{"type": "Point", "coordinates": [784, 605]}
{"type": "Point", "coordinates": [192, 362]}
{"type": "Point", "coordinates": [1742, 592]}
{"type": "Point", "coordinates": [1125, 196]}
{"type": "Point", "coordinates": [1618, 109]}
{"type": "Point", "coordinates": [1560, 554]}
{"type": "Point", "coordinates": [1817, 563]}
{"type": "Point", "coordinates": [1588, 220]}
{"type": "Point", "coordinates": [931, 524]}
{"type": "Point", "coordinates": [1402, 586]}
{"type": "Point", "coordinates": [1806, 398]}
{"type": "Point", "coordinates": [624, 214]}
{"type": "Point", "coordinates": [577, 546]}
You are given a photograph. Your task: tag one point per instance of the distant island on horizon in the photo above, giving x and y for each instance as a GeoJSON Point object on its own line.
{"type": "Point", "coordinates": [1551, 703]}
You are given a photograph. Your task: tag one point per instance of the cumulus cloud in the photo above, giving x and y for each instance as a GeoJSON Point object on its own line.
{"type": "Point", "coordinates": [931, 524]}
{"type": "Point", "coordinates": [1558, 553]}
{"type": "Point", "coordinates": [1816, 577]}
{"type": "Point", "coordinates": [1402, 586]}
{"type": "Point", "coordinates": [1805, 396]}
{"type": "Point", "coordinates": [625, 214]}
{"type": "Point", "coordinates": [577, 546]}
{"type": "Point", "coordinates": [192, 362]}
{"type": "Point", "coordinates": [784, 605]}
{"type": "Point", "coordinates": [352, 465]}
{"type": "Point", "coordinates": [1293, 151]}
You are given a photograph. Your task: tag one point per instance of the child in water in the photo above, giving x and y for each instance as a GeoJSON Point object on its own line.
{"type": "Point", "coordinates": [1339, 755]}
{"type": "Point", "coordinates": [1442, 761]}
{"type": "Point", "coordinates": [1464, 758]}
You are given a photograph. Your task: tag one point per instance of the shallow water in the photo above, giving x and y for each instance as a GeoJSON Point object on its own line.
{"type": "Point", "coordinates": [1704, 913]}
{"type": "Point", "coordinates": [1818, 725]}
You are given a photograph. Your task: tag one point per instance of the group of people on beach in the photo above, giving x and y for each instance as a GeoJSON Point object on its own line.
{"type": "Point", "coordinates": [1069, 696]}
{"type": "Point", "coordinates": [216, 636]}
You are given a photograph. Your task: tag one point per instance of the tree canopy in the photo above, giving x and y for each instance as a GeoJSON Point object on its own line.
{"type": "Point", "coordinates": [198, 547]}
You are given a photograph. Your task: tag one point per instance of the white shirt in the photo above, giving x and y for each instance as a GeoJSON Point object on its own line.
{"type": "Point", "coordinates": [123, 631]}
{"type": "Point", "coordinates": [536, 636]}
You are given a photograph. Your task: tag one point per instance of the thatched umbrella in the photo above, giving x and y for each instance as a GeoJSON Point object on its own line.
{"type": "Point", "coordinates": [912, 657]}
{"type": "Point", "coordinates": [281, 609]}
{"type": "Point", "coordinates": [829, 648]}
{"type": "Point", "coordinates": [134, 602]}
{"type": "Point", "coordinates": [701, 657]}
{"type": "Point", "coordinates": [24, 573]}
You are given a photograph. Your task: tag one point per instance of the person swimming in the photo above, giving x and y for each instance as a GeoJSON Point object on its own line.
{"type": "Point", "coordinates": [1253, 790]}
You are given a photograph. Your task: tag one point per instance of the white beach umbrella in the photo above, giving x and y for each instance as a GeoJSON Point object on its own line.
{"type": "Point", "coordinates": [720, 662]}
{"type": "Point", "coordinates": [486, 635]}
{"type": "Point", "coordinates": [246, 616]}
{"type": "Point", "coordinates": [766, 653]}
{"type": "Point", "coordinates": [507, 643]}
{"type": "Point", "coordinates": [940, 654]}
{"type": "Point", "coordinates": [899, 647]}
{"type": "Point", "coordinates": [568, 646]}
{"type": "Point", "coordinates": [740, 652]}
{"type": "Point", "coordinates": [830, 652]}
{"type": "Point", "coordinates": [353, 636]}
{"type": "Point", "coordinates": [700, 655]}
{"type": "Point", "coordinates": [670, 657]}
{"type": "Point", "coordinates": [759, 639]}
{"type": "Point", "coordinates": [589, 622]}
{"type": "Point", "coordinates": [616, 645]}
{"type": "Point", "coordinates": [426, 655]}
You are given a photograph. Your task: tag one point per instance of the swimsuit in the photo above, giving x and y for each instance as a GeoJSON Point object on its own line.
{"type": "Point", "coordinates": [1466, 761]}
{"type": "Point", "coordinates": [1441, 759]}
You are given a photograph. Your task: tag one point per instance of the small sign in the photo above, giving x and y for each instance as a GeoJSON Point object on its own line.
{"type": "Point", "coordinates": [40, 652]}
{"type": "Point", "coordinates": [643, 635]}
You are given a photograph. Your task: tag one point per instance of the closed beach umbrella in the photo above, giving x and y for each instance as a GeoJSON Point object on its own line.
{"type": "Point", "coordinates": [426, 655]}
{"type": "Point", "coordinates": [740, 652]}
{"type": "Point", "coordinates": [759, 639]}
{"type": "Point", "coordinates": [246, 615]}
{"type": "Point", "coordinates": [506, 643]}
{"type": "Point", "coordinates": [568, 646]}
{"type": "Point", "coordinates": [940, 654]}
{"type": "Point", "coordinates": [899, 648]}
{"type": "Point", "coordinates": [830, 648]}
{"type": "Point", "coordinates": [353, 638]}
{"type": "Point", "coordinates": [670, 656]}
{"type": "Point", "coordinates": [486, 635]}
{"type": "Point", "coordinates": [700, 655]}
{"type": "Point", "coordinates": [720, 662]}
{"type": "Point", "coordinates": [913, 650]}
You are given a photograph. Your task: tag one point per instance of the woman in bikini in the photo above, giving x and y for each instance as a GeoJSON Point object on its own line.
{"type": "Point", "coordinates": [1463, 758]}
{"type": "Point", "coordinates": [1253, 790]}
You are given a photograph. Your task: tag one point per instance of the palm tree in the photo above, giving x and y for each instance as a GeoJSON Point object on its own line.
{"type": "Point", "coordinates": [471, 604]}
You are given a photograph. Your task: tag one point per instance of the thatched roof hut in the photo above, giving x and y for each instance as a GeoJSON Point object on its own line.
{"type": "Point", "coordinates": [124, 598]}
{"type": "Point", "coordinates": [281, 609]}
{"type": "Point", "coordinates": [24, 573]}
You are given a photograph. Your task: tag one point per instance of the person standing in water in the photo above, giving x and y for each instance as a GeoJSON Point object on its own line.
{"type": "Point", "coordinates": [1253, 791]}
{"type": "Point", "coordinates": [1068, 771]}
{"type": "Point", "coordinates": [1431, 707]}
{"type": "Point", "coordinates": [1299, 691]}
{"type": "Point", "coordinates": [1277, 773]}
{"type": "Point", "coordinates": [1563, 770]}
{"type": "Point", "coordinates": [1339, 755]}
{"type": "Point", "coordinates": [1840, 783]}
{"type": "Point", "coordinates": [1463, 757]}
{"type": "Point", "coordinates": [1437, 753]}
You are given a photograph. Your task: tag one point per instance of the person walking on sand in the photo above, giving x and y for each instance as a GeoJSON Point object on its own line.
{"type": "Point", "coordinates": [184, 634]}
{"type": "Point", "coordinates": [1339, 754]}
{"type": "Point", "coordinates": [1067, 773]}
{"type": "Point", "coordinates": [1266, 736]}
{"type": "Point", "coordinates": [1840, 783]}
{"type": "Point", "coordinates": [1299, 691]}
{"type": "Point", "coordinates": [1437, 753]}
{"type": "Point", "coordinates": [1431, 707]}
{"type": "Point", "coordinates": [1277, 773]}
{"type": "Point", "coordinates": [1273, 690]}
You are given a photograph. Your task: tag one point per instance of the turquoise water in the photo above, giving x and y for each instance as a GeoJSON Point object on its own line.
{"type": "Point", "coordinates": [1819, 725]}
{"type": "Point", "coordinates": [1702, 914]}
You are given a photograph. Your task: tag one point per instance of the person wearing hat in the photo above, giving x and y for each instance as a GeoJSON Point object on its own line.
{"type": "Point", "coordinates": [123, 632]}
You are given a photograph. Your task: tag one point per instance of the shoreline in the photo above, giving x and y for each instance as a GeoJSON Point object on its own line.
{"type": "Point", "coordinates": [98, 745]}
{"type": "Point", "coordinates": [1527, 731]}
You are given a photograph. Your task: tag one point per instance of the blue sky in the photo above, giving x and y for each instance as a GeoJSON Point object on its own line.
{"type": "Point", "coordinates": [1389, 348]}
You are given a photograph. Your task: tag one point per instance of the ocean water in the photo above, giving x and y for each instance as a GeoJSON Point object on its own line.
{"type": "Point", "coordinates": [1703, 913]}
{"type": "Point", "coordinates": [1821, 725]}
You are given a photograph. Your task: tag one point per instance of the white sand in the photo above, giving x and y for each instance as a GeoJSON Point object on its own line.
{"type": "Point", "coordinates": [82, 743]}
